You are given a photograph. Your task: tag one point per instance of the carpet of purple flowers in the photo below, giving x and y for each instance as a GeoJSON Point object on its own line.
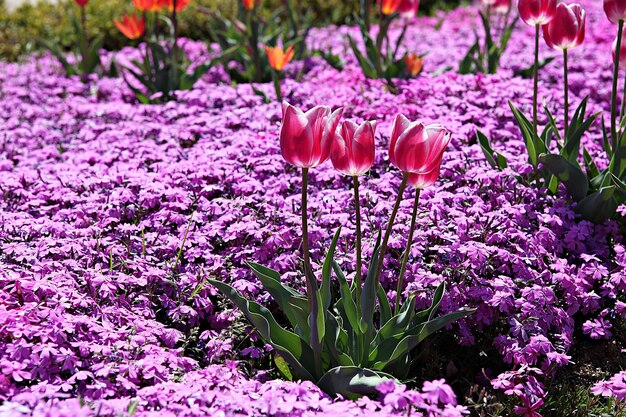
{"type": "Point", "coordinates": [112, 215]}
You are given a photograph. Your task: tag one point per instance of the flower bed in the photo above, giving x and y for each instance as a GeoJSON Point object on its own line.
{"type": "Point", "coordinates": [98, 195]}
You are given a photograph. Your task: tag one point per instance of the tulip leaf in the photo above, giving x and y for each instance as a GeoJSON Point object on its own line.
{"type": "Point", "coordinates": [326, 271]}
{"type": "Point", "coordinates": [569, 174]}
{"type": "Point", "coordinates": [385, 307]}
{"type": "Point", "coordinates": [368, 295]}
{"type": "Point", "coordinates": [495, 159]}
{"type": "Point", "coordinates": [533, 146]}
{"type": "Point", "coordinates": [349, 306]}
{"type": "Point", "coordinates": [352, 382]}
{"type": "Point", "coordinates": [598, 206]}
{"type": "Point", "coordinates": [289, 345]}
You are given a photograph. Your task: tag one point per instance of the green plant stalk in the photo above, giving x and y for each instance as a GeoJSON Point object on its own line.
{"type": "Point", "coordinates": [405, 258]}
{"type": "Point", "coordinates": [380, 39]}
{"type": "Point", "coordinates": [394, 212]}
{"type": "Point", "coordinates": [359, 261]}
{"type": "Point", "coordinates": [366, 14]}
{"type": "Point", "coordinates": [174, 58]}
{"type": "Point", "coordinates": [536, 83]}
{"type": "Point", "coordinates": [565, 97]}
{"type": "Point", "coordinates": [84, 45]}
{"type": "Point", "coordinates": [621, 112]}
{"type": "Point", "coordinates": [276, 80]}
{"type": "Point", "coordinates": [254, 46]}
{"type": "Point", "coordinates": [620, 28]}
{"type": "Point", "coordinates": [311, 284]}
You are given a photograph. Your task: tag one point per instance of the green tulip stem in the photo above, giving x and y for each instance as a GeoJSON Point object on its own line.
{"type": "Point", "coordinates": [174, 57]}
{"type": "Point", "coordinates": [536, 82]}
{"type": "Point", "coordinates": [621, 113]}
{"type": "Point", "coordinates": [276, 80]}
{"type": "Point", "coordinates": [620, 28]}
{"type": "Point", "coordinates": [84, 46]}
{"type": "Point", "coordinates": [394, 212]}
{"type": "Point", "coordinates": [565, 97]}
{"type": "Point", "coordinates": [359, 261]}
{"type": "Point", "coordinates": [405, 258]}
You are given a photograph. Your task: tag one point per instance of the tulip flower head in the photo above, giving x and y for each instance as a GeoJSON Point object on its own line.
{"type": "Point", "coordinates": [352, 152]}
{"type": "Point", "coordinates": [414, 64]}
{"type": "Point", "coordinates": [536, 12]}
{"type": "Point", "coordinates": [82, 3]}
{"type": "Point", "coordinates": [131, 26]}
{"type": "Point", "coordinates": [408, 8]}
{"type": "Point", "coordinates": [180, 5]}
{"type": "Point", "coordinates": [416, 148]}
{"type": "Point", "coordinates": [149, 5]}
{"type": "Point", "coordinates": [567, 29]}
{"type": "Point", "coordinates": [615, 10]}
{"type": "Point", "coordinates": [249, 4]}
{"type": "Point", "coordinates": [278, 57]}
{"type": "Point", "coordinates": [388, 7]}
{"type": "Point", "coordinates": [622, 50]}
{"type": "Point", "coordinates": [422, 181]}
{"type": "Point", "coordinates": [306, 139]}
{"type": "Point", "coordinates": [502, 6]}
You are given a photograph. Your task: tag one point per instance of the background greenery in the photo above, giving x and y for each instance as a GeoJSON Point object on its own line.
{"type": "Point", "coordinates": [20, 29]}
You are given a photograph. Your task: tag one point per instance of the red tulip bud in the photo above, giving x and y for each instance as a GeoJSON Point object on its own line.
{"type": "Point", "coordinates": [567, 29]}
{"type": "Point", "coordinates": [615, 10]}
{"type": "Point", "coordinates": [416, 148]}
{"type": "Point", "coordinates": [536, 12]}
{"type": "Point", "coordinates": [353, 148]}
{"type": "Point", "coordinates": [306, 138]}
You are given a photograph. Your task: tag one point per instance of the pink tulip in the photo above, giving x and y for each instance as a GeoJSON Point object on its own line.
{"type": "Point", "coordinates": [416, 148]}
{"type": "Point", "coordinates": [622, 50]}
{"type": "Point", "coordinates": [409, 8]}
{"type": "Point", "coordinates": [353, 148]}
{"type": "Point", "coordinates": [306, 138]}
{"type": "Point", "coordinates": [536, 12]}
{"type": "Point", "coordinates": [422, 181]}
{"type": "Point", "coordinates": [567, 29]}
{"type": "Point", "coordinates": [615, 10]}
{"type": "Point", "coordinates": [502, 6]}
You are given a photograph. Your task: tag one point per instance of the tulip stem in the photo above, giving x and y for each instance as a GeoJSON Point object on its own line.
{"type": "Point", "coordinates": [311, 283]}
{"type": "Point", "coordinates": [536, 83]}
{"type": "Point", "coordinates": [394, 212]}
{"type": "Point", "coordinates": [276, 80]}
{"type": "Point", "coordinates": [359, 261]}
{"type": "Point", "coordinates": [620, 28]}
{"type": "Point", "coordinates": [175, 46]}
{"type": "Point", "coordinates": [621, 112]}
{"type": "Point", "coordinates": [565, 97]}
{"type": "Point", "coordinates": [84, 46]}
{"type": "Point", "coordinates": [405, 258]}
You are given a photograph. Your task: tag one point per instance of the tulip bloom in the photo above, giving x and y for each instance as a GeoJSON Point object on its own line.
{"type": "Point", "coordinates": [408, 8]}
{"type": "Point", "coordinates": [388, 7]}
{"type": "Point", "coordinates": [416, 148]}
{"type": "Point", "coordinates": [615, 10]}
{"type": "Point", "coordinates": [353, 148]}
{"type": "Point", "coordinates": [414, 64]}
{"type": "Point", "coordinates": [81, 3]}
{"type": "Point", "coordinates": [536, 12]}
{"type": "Point", "coordinates": [180, 5]}
{"type": "Point", "coordinates": [249, 4]}
{"type": "Point", "coordinates": [131, 26]}
{"type": "Point", "coordinates": [567, 29]}
{"type": "Point", "coordinates": [149, 5]}
{"type": "Point", "coordinates": [278, 57]}
{"type": "Point", "coordinates": [421, 181]}
{"type": "Point", "coordinates": [306, 138]}
{"type": "Point", "coordinates": [502, 6]}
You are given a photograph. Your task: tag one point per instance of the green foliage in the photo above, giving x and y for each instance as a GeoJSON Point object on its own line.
{"type": "Point", "coordinates": [358, 342]}
{"type": "Point", "coordinates": [486, 58]}
{"type": "Point", "coordinates": [160, 75]}
{"type": "Point", "coordinates": [239, 39]}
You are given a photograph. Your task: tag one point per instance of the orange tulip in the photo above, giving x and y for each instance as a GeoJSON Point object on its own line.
{"type": "Point", "coordinates": [390, 6]}
{"type": "Point", "coordinates": [131, 26]}
{"type": "Point", "coordinates": [249, 4]}
{"type": "Point", "coordinates": [279, 58]}
{"type": "Point", "coordinates": [149, 5]}
{"type": "Point", "coordinates": [414, 64]}
{"type": "Point", "coordinates": [180, 5]}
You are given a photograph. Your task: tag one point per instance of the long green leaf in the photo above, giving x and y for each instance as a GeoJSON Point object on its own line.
{"type": "Point", "coordinates": [352, 382]}
{"type": "Point", "coordinates": [326, 270]}
{"type": "Point", "coordinates": [569, 174]}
